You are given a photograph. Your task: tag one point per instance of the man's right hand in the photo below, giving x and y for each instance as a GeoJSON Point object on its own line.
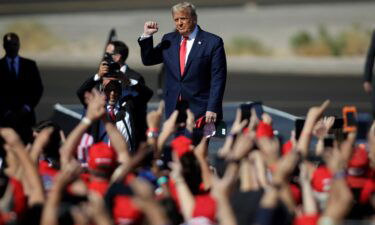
{"type": "Point", "coordinates": [103, 69]}
{"type": "Point", "coordinates": [150, 28]}
{"type": "Point", "coordinates": [367, 87]}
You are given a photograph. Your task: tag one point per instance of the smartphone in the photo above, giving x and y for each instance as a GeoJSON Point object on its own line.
{"type": "Point", "coordinates": [364, 121]}
{"type": "Point", "coordinates": [339, 123]}
{"type": "Point", "coordinates": [349, 114]}
{"type": "Point", "coordinates": [328, 141]}
{"type": "Point", "coordinates": [298, 126]}
{"type": "Point", "coordinates": [258, 109]}
{"type": "Point", "coordinates": [182, 106]}
{"type": "Point", "coordinates": [245, 111]}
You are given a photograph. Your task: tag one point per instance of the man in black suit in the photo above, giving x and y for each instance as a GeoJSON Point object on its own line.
{"type": "Point", "coordinates": [21, 88]}
{"type": "Point", "coordinates": [133, 87]}
{"type": "Point", "coordinates": [119, 110]}
{"type": "Point", "coordinates": [194, 61]}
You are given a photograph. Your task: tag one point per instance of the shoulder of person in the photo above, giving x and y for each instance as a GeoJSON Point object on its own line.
{"type": "Point", "coordinates": [132, 74]}
{"type": "Point", "coordinates": [211, 36]}
{"type": "Point", "coordinates": [27, 61]}
{"type": "Point", "coordinates": [170, 35]}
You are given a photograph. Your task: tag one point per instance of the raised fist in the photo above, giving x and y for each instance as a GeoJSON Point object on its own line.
{"type": "Point", "coordinates": [150, 28]}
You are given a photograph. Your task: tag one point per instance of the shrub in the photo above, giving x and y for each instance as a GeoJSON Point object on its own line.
{"type": "Point", "coordinates": [350, 42]}
{"type": "Point", "coordinates": [246, 45]}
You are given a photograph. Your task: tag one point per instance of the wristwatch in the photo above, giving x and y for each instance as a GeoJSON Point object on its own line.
{"type": "Point", "coordinates": [152, 134]}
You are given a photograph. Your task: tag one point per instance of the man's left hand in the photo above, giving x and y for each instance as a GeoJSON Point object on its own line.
{"type": "Point", "coordinates": [210, 117]}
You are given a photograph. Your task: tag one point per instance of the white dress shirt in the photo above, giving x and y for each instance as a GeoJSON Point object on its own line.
{"type": "Point", "coordinates": [190, 42]}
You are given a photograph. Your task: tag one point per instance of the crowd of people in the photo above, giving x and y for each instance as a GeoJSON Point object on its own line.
{"type": "Point", "coordinates": [124, 165]}
{"type": "Point", "coordinates": [253, 178]}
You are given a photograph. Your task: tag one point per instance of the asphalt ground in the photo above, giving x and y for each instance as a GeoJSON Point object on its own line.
{"type": "Point", "coordinates": [293, 94]}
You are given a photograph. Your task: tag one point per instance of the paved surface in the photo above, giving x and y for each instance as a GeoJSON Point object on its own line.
{"type": "Point", "coordinates": [292, 94]}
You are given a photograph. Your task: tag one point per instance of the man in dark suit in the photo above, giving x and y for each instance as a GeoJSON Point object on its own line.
{"type": "Point", "coordinates": [21, 88]}
{"type": "Point", "coordinates": [369, 66]}
{"type": "Point", "coordinates": [119, 111]}
{"type": "Point", "coordinates": [194, 62]}
{"type": "Point", "coordinates": [133, 88]}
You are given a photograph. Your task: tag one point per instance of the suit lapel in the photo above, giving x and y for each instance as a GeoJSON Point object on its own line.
{"type": "Point", "coordinates": [194, 50]}
{"type": "Point", "coordinates": [176, 55]}
{"type": "Point", "coordinates": [20, 66]}
{"type": "Point", "coordinates": [4, 68]}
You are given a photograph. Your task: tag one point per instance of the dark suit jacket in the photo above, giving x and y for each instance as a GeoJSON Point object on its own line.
{"type": "Point", "coordinates": [136, 98]}
{"type": "Point", "coordinates": [26, 90]}
{"type": "Point", "coordinates": [203, 81]}
{"type": "Point", "coordinates": [143, 96]}
{"type": "Point", "coordinates": [369, 65]}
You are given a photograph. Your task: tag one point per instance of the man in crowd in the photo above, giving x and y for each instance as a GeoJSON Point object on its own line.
{"type": "Point", "coordinates": [133, 85]}
{"type": "Point", "coordinates": [21, 88]}
{"type": "Point", "coordinates": [119, 111]}
{"type": "Point", "coordinates": [194, 61]}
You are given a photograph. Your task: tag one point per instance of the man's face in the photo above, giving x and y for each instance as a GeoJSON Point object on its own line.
{"type": "Point", "coordinates": [111, 49]}
{"type": "Point", "coordinates": [112, 97]}
{"type": "Point", "coordinates": [184, 22]}
{"type": "Point", "coordinates": [11, 46]}
{"type": "Point", "coordinates": [111, 92]}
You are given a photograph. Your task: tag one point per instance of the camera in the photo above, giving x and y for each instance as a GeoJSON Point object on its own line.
{"type": "Point", "coordinates": [113, 67]}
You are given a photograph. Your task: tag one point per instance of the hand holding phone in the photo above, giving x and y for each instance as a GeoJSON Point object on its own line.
{"type": "Point", "coordinates": [349, 114]}
{"type": "Point", "coordinates": [182, 106]}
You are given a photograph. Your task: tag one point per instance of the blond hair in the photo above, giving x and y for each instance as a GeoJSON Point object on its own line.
{"type": "Point", "coordinates": [182, 6]}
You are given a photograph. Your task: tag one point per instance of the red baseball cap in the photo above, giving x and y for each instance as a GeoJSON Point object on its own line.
{"type": "Point", "coordinates": [181, 145]}
{"type": "Point", "coordinates": [102, 157]}
{"type": "Point", "coordinates": [367, 191]}
{"type": "Point", "coordinates": [306, 219]}
{"type": "Point", "coordinates": [205, 206]}
{"type": "Point", "coordinates": [125, 211]}
{"type": "Point", "coordinates": [358, 167]}
{"type": "Point", "coordinates": [321, 179]}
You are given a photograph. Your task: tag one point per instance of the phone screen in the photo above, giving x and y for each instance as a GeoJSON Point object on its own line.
{"type": "Point", "coordinates": [338, 124]}
{"type": "Point", "coordinates": [298, 125]}
{"type": "Point", "coordinates": [245, 111]}
{"type": "Point", "coordinates": [328, 142]}
{"type": "Point", "coordinates": [258, 109]}
{"type": "Point", "coordinates": [351, 121]}
{"type": "Point", "coordinates": [182, 106]}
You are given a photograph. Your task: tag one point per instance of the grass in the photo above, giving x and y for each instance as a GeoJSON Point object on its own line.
{"type": "Point", "coordinates": [349, 42]}
{"type": "Point", "coordinates": [34, 36]}
{"type": "Point", "coordinates": [246, 45]}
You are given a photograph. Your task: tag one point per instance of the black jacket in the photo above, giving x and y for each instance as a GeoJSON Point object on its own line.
{"type": "Point", "coordinates": [27, 89]}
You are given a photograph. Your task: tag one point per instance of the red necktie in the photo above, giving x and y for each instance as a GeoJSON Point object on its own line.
{"type": "Point", "coordinates": [183, 55]}
{"type": "Point", "coordinates": [112, 113]}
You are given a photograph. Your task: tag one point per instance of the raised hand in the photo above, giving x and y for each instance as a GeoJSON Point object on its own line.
{"type": "Point", "coordinates": [190, 122]}
{"type": "Point", "coordinates": [150, 28]}
{"type": "Point", "coordinates": [103, 69]}
{"type": "Point", "coordinates": [322, 127]}
{"type": "Point", "coordinates": [95, 104]}
{"type": "Point", "coordinates": [367, 86]}
{"type": "Point", "coordinates": [154, 117]}
{"type": "Point", "coordinates": [238, 125]}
